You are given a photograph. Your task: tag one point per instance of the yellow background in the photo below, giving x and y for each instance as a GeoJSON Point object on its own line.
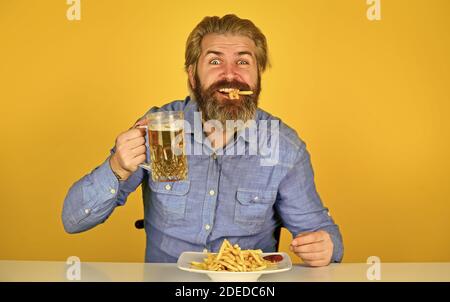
{"type": "Point", "coordinates": [370, 98]}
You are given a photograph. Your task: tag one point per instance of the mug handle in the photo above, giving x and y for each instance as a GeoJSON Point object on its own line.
{"type": "Point", "coordinates": [146, 165]}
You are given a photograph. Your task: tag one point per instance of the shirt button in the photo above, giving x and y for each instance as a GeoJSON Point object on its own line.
{"type": "Point", "coordinates": [168, 187]}
{"type": "Point", "coordinates": [112, 191]}
{"type": "Point", "coordinates": [207, 227]}
{"type": "Point", "coordinates": [86, 211]}
{"type": "Point", "coordinates": [211, 192]}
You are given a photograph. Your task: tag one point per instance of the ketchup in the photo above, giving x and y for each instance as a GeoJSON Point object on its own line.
{"type": "Point", "coordinates": [273, 258]}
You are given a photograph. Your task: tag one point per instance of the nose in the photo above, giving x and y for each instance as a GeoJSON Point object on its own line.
{"type": "Point", "coordinates": [230, 72]}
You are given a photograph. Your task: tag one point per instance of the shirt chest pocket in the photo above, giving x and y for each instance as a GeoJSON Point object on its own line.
{"type": "Point", "coordinates": [170, 198]}
{"type": "Point", "coordinates": [252, 207]}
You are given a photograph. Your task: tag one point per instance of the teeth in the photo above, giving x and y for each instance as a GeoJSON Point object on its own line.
{"type": "Point", "coordinates": [227, 89]}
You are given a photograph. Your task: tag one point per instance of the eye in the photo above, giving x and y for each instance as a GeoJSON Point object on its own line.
{"type": "Point", "coordinates": [214, 62]}
{"type": "Point", "coordinates": [242, 62]}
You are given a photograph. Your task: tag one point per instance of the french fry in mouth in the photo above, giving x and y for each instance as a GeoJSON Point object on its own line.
{"type": "Point", "coordinates": [233, 93]}
{"type": "Point", "coordinates": [245, 92]}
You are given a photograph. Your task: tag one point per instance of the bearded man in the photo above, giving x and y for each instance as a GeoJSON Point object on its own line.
{"type": "Point", "coordinates": [239, 197]}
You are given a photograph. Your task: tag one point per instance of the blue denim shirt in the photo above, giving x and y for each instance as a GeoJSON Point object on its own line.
{"type": "Point", "coordinates": [225, 196]}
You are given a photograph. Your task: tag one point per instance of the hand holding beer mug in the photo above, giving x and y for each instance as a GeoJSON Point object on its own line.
{"type": "Point", "coordinates": [168, 160]}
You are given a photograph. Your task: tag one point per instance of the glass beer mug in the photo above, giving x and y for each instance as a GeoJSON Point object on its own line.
{"type": "Point", "coordinates": [168, 160]}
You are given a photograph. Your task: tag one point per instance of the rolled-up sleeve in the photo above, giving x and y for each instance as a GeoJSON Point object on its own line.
{"type": "Point", "coordinates": [93, 198]}
{"type": "Point", "coordinates": [300, 207]}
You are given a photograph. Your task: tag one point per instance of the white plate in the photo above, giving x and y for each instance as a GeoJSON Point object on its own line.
{"type": "Point", "coordinates": [185, 259]}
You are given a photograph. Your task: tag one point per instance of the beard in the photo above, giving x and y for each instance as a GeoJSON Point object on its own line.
{"type": "Point", "coordinates": [222, 110]}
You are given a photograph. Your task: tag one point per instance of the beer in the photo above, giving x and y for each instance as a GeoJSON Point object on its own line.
{"type": "Point", "coordinates": [165, 131]}
{"type": "Point", "coordinates": [167, 153]}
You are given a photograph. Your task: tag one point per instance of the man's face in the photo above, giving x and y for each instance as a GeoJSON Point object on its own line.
{"type": "Point", "coordinates": [226, 61]}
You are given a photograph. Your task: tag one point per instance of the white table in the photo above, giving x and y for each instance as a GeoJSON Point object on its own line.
{"type": "Point", "coordinates": [104, 272]}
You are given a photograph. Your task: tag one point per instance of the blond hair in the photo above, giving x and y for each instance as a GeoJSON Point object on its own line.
{"type": "Point", "coordinates": [231, 24]}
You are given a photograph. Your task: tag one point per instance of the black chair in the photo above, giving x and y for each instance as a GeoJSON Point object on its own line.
{"type": "Point", "coordinates": [277, 234]}
{"type": "Point", "coordinates": [139, 224]}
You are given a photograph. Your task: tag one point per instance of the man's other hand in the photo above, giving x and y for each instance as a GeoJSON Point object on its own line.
{"type": "Point", "coordinates": [315, 248]}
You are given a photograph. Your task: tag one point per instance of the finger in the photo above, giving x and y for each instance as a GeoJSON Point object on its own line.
{"type": "Point", "coordinates": [139, 150]}
{"type": "Point", "coordinates": [135, 142]}
{"type": "Point", "coordinates": [313, 256]}
{"type": "Point", "coordinates": [307, 238]}
{"type": "Point", "coordinates": [141, 122]}
{"type": "Point", "coordinates": [138, 160]}
{"type": "Point", "coordinates": [310, 248]}
{"type": "Point", "coordinates": [130, 134]}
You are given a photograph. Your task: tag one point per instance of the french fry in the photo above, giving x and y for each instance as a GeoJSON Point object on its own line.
{"type": "Point", "coordinates": [245, 92]}
{"type": "Point", "coordinates": [231, 258]}
{"type": "Point", "coordinates": [234, 93]}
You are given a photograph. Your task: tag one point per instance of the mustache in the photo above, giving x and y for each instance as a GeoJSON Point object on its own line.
{"type": "Point", "coordinates": [228, 84]}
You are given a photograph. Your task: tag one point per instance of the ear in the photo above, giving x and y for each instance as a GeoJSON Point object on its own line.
{"type": "Point", "coordinates": [191, 76]}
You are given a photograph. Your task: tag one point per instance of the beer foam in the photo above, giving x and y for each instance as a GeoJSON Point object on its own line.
{"type": "Point", "coordinates": [165, 127]}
